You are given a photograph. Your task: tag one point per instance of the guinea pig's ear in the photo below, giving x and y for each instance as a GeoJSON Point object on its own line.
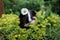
{"type": "Point", "coordinates": [24, 11]}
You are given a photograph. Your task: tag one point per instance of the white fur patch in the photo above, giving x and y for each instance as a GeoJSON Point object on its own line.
{"type": "Point", "coordinates": [24, 11]}
{"type": "Point", "coordinates": [29, 17]}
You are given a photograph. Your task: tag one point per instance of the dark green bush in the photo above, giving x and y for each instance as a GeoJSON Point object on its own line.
{"type": "Point", "coordinates": [52, 23]}
{"type": "Point", "coordinates": [14, 6]}
{"type": "Point", "coordinates": [46, 26]}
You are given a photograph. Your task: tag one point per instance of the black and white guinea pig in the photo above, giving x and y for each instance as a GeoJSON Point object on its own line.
{"type": "Point", "coordinates": [27, 17]}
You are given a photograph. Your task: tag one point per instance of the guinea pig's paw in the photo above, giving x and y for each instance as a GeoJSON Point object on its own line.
{"type": "Point", "coordinates": [34, 17]}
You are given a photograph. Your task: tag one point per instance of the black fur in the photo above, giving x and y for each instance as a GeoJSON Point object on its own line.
{"type": "Point", "coordinates": [24, 19]}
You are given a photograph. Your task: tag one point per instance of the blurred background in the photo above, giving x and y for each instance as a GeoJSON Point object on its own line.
{"type": "Point", "coordinates": [14, 6]}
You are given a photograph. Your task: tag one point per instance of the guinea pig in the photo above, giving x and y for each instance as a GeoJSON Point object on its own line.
{"type": "Point", "coordinates": [27, 17]}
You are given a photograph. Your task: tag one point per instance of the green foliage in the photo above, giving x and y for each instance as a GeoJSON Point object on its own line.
{"type": "Point", "coordinates": [53, 28]}
{"type": "Point", "coordinates": [14, 6]}
{"type": "Point", "coordinates": [8, 25]}
{"type": "Point", "coordinates": [10, 30]}
{"type": "Point", "coordinates": [52, 23]}
{"type": "Point", "coordinates": [54, 5]}
{"type": "Point", "coordinates": [46, 25]}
